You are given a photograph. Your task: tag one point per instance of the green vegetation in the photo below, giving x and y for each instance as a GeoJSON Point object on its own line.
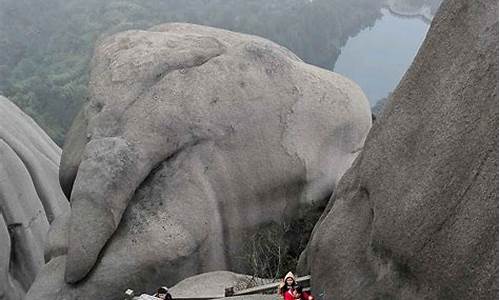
{"type": "Point", "coordinates": [46, 46]}
{"type": "Point", "coordinates": [274, 249]}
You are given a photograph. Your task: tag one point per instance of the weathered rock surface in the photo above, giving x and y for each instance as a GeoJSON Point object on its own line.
{"type": "Point", "coordinates": [416, 217]}
{"type": "Point", "coordinates": [193, 138]}
{"type": "Point", "coordinates": [30, 198]}
{"type": "Point", "coordinates": [212, 284]}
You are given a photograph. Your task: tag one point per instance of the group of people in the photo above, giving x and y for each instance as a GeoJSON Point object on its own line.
{"type": "Point", "coordinates": [290, 290]}
{"type": "Point", "coordinates": [163, 293]}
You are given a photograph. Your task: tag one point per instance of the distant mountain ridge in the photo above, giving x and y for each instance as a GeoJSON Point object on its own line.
{"type": "Point", "coordinates": [426, 9]}
{"type": "Point", "coordinates": [46, 46]}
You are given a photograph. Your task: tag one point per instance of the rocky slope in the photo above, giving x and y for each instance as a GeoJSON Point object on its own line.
{"type": "Point", "coordinates": [416, 217]}
{"type": "Point", "coordinates": [213, 285]}
{"type": "Point", "coordinates": [193, 138]}
{"type": "Point", "coordinates": [30, 198]}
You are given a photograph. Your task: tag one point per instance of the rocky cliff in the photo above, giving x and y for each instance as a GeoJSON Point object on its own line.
{"type": "Point", "coordinates": [193, 138]}
{"type": "Point", "coordinates": [30, 198]}
{"type": "Point", "coordinates": [416, 217]}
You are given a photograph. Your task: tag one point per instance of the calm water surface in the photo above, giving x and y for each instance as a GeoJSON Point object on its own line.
{"type": "Point", "coordinates": [378, 57]}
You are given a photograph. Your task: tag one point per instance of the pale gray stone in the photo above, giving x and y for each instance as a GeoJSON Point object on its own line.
{"type": "Point", "coordinates": [416, 217]}
{"type": "Point", "coordinates": [210, 284]}
{"type": "Point", "coordinates": [192, 139]}
{"type": "Point", "coordinates": [30, 198]}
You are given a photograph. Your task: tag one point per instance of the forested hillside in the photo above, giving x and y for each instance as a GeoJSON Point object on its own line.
{"type": "Point", "coordinates": [46, 46]}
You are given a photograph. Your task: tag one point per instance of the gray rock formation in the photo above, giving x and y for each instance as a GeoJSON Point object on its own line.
{"type": "Point", "coordinates": [192, 139]}
{"type": "Point", "coordinates": [212, 284]}
{"type": "Point", "coordinates": [30, 198]}
{"type": "Point", "coordinates": [416, 217]}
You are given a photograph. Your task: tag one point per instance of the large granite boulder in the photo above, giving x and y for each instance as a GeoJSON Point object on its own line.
{"type": "Point", "coordinates": [193, 138]}
{"type": "Point", "coordinates": [30, 198]}
{"type": "Point", "coordinates": [213, 284]}
{"type": "Point", "coordinates": [416, 217]}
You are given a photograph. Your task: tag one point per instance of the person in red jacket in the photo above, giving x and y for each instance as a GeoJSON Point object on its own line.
{"type": "Point", "coordinates": [290, 290]}
{"type": "Point", "coordinates": [290, 295]}
{"type": "Point", "coordinates": [287, 287]}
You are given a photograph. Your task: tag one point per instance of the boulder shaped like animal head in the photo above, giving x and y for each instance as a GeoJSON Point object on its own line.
{"type": "Point", "coordinates": [192, 138]}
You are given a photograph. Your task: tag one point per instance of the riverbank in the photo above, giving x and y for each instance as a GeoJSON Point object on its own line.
{"type": "Point", "coordinates": [404, 10]}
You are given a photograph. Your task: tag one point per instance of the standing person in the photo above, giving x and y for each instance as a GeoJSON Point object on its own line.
{"type": "Point", "coordinates": [287, 287]}
{"type": "Point", "coordinates": [163, 293]}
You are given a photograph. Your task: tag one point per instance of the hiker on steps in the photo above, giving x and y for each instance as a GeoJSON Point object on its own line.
{"type": "Point", "coordinates": [290, 290]}
{"type": "Point", "coordinates": [286, 286]}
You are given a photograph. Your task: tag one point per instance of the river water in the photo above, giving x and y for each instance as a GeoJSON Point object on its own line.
{"type": "Point", "coordinates": [378, 57]}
